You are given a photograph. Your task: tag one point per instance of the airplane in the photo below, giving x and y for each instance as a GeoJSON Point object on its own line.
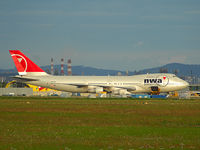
{"type": "Point", "coordinates": [30, 73]}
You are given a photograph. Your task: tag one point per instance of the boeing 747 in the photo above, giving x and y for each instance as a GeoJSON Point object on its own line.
{"type": "Point", "coordinates": [30, 73]}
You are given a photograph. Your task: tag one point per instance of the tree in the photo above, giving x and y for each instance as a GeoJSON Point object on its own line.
{"type": "Point", "coordinates": [47, 71]}
{"type": "Point", "coordinates": [163, 70]}
{"type": "Point", "coordinates": [175, 71]}
{"type": "Point", "coordinates": [56, 72]}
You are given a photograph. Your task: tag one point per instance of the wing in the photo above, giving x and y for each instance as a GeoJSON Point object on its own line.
{"type": "Point", "coordinates": [80, 85]}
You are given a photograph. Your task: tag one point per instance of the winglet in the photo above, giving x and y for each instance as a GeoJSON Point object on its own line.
{"type": "Point", "coordinates": [24, 65]}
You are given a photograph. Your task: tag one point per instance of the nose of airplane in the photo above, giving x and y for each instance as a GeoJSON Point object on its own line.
{"type": "Point", "coordinates": [179, 84]}
{"type": "Point", "coordinates": [184, 84]}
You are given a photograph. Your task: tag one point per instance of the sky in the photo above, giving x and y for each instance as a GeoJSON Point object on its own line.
{"type": "Point", "coordinates": [108, 34]}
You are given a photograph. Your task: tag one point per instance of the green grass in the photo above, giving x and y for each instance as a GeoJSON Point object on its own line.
{"type": "Point", "coordinates": [77, 123]}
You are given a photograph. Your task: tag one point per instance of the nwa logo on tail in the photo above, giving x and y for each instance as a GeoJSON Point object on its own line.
{"type": "Point", "coordinates": [21, 63]}
{"type": "Point", "coordinates": [161, 81]}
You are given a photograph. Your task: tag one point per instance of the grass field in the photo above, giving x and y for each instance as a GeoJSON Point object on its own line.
{"type": "Point", "coordinates": [63, 124]}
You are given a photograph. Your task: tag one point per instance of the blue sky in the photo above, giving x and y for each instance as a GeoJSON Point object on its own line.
{"type": "Point", "coordinates": [109, 34]}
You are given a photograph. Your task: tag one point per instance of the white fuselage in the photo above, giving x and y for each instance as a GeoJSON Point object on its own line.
{"type": "Point", "coordinates": [120, 84]}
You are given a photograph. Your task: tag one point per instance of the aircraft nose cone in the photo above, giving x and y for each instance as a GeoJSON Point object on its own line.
{"type": "Point", "coordinates": [185, 84]}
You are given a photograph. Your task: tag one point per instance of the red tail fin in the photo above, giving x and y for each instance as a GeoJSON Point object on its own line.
{"type": "Point", "coordinates": [24, 65]}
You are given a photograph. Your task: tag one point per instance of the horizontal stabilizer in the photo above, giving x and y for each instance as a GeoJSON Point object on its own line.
{"type": "Point", "coordinates": [23, 79]}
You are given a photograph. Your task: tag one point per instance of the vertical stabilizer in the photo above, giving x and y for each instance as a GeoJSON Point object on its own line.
{"type": "Point", "coordinates": [24, 65]}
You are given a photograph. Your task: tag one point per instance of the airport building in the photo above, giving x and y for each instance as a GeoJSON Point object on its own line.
{"type": "Point", "coordinates": [16, 92]}
{"type": "Point", "coordinates": [194, 90]}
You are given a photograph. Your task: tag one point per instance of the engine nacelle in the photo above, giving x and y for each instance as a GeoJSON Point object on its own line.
{"type": "Point", "coordinates": [120, 92]}
{"type": "Point", "coordinates": [95, 89]}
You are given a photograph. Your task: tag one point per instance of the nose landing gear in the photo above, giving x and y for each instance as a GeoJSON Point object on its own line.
{"type": "Point", "coordinates": [155, 90]}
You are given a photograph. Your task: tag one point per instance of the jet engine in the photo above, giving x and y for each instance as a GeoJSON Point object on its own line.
{"type": "Point", "coordinates": [120, 91]}
{"type": "Point", "coordinates": [95, 89]}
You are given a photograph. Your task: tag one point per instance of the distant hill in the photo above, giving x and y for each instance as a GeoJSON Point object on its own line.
{"type": "Point", "coordinates": [8, 72]}
{"type": "Point", "coordinates": [84, 70]}
{"type": "Point", "coordinates": [182, 70]}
